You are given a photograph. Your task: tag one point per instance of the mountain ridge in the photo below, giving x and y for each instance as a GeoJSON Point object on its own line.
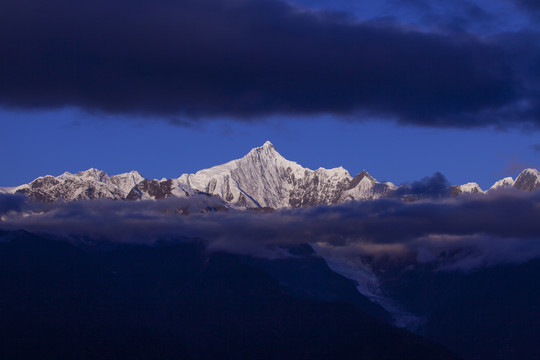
{"type": "Point", "coordinates": [263, 178]}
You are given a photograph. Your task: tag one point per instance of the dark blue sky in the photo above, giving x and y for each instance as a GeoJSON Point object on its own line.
{"type": "Point", "coordinates": [400, 88]}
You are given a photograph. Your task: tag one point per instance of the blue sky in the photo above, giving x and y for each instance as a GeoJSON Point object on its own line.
{"type": "Point", "coordinates": [401, 88]}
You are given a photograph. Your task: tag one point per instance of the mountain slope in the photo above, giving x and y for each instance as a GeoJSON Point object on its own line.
{"type": "Point", "coordinates": [173, 301]}
{"type": "Point", "coordinates": [492, 313]}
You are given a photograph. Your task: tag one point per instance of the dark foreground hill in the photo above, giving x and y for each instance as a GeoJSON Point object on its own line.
{"type": "Point", "coordinates": [175, 301]}
{"type": "Point", "coordinates": [491, 313]}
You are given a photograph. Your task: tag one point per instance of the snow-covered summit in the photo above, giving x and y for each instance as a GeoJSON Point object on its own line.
{"type": "Point", "coordinates": [468, 188]}
{"type": "Point", "coordinates": [264, 178]}
{"type": "Point", "coordinates": [507, 182]}
{"type": "Point", "coordinates": [92, 174]}
{"type": "Point", "coordinates": [528, 180]}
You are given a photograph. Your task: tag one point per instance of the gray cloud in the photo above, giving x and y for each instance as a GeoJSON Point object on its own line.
{"type": "Point", "coordinates": [463, 233]}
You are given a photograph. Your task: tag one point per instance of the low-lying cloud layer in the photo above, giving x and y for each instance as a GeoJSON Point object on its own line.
{"type": "Point", "coordinates": [463, 233]}
{"type": "Point", "coordinates": [186, 59]}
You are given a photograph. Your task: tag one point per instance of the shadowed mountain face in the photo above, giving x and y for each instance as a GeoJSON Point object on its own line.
{"type": "Point", "coordinates": [308, 276]}
{"type": "Point", "coordinates": [175, 301]}
{"type": "Point", "coordinates": [492, 313]}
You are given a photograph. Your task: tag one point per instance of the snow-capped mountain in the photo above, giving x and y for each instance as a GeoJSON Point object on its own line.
{"type": "Point", "coordinates": [261, 179]}
{"type": "Point", "coordinates": [86, 185]}
{"type": "Point", "coordinates": [528, 180]}
{"type": "Point", "coordinates": [468, 188]}
{"type": "Point", "coordinates": [507, 182]}
{"type": "Point", "coordinates": [264, 178]}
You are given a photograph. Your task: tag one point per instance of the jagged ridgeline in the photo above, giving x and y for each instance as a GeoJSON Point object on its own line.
{"type": "Point", "coordinates": [261, 179]}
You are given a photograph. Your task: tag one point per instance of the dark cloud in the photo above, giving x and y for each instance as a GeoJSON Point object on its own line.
{"type": "Point", "coordinates": [461, 233]}
{"type": "Point", "coordinates": [435, 186]}
{"type": "Point", "coordinates": [453, 17]}
{"type": "Point", "coordinates": [11, 203]}
{"type": "Point", "coordinates": [523, 49]}
{"type": "Point", "coordinates": [186, 59]}
{"type": "Point", "coordinates": [533, 5]}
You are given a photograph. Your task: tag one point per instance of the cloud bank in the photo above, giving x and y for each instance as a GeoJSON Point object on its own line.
{"type": "Point", "coordinates": [183, 60]}
{"type": "Point", "coordinates": [11, 203]}
{"type": "Point", "coordinates": [457, 234]}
